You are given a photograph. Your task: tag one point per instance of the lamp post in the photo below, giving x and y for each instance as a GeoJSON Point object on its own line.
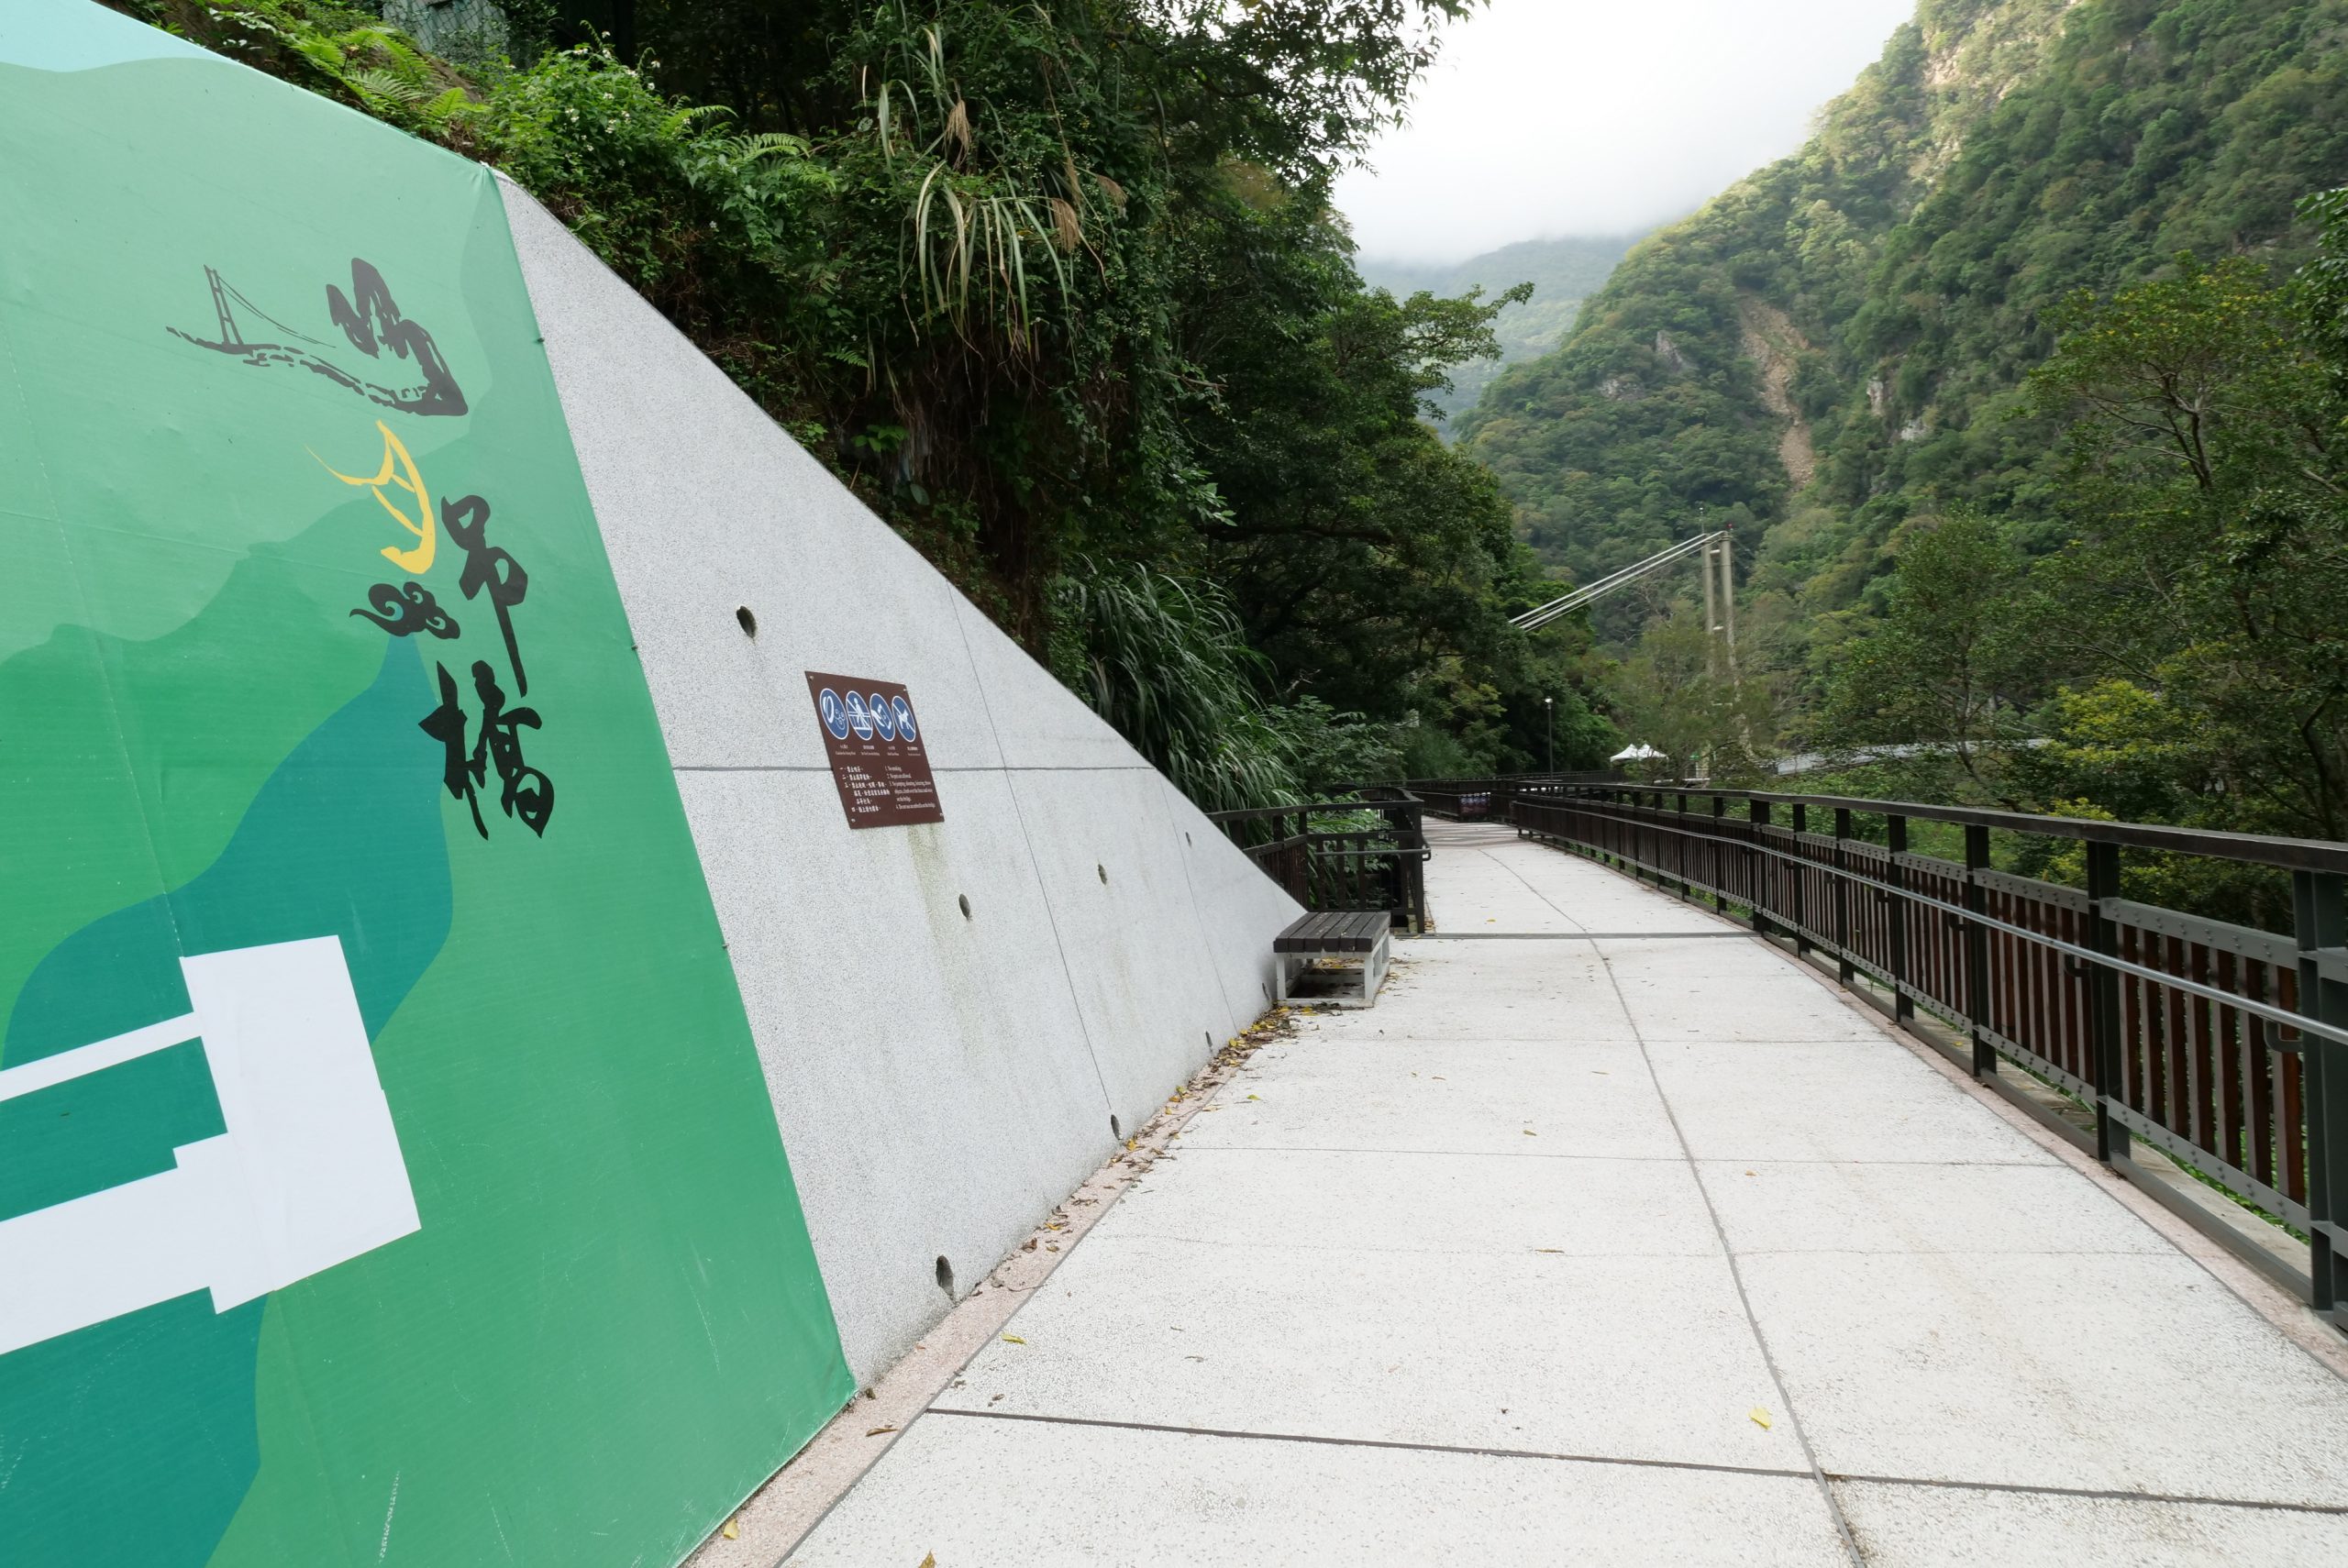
{"type": "Point", "coordinates": [1549, 727]}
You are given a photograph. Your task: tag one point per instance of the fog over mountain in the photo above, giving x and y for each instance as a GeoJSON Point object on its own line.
{"type": "Point", "coordinates": [1549, 118]}
{"type": "Point", "coordinates": [1563, 273]}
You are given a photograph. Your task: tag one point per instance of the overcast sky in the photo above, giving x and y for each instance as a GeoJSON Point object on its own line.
{"type": "Point", "coordinates": [1601, 117]}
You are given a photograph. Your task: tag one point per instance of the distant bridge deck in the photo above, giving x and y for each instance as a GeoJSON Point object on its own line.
{"type": "Point", "coordinates": [1614, 1235]}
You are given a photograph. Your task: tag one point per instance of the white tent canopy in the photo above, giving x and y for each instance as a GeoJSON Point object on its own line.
{"type": "Point", "coordinates": [1641, 753]}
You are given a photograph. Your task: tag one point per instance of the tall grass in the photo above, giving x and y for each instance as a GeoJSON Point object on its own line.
{"type": "Point", "coordinates": [971, 226]}
{"type": "Point", "coordinates": [1166, 661]}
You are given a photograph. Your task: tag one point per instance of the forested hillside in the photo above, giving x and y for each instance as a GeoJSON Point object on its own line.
{"type": "Point", "coordinates": [1882, 291]}
{"type": "Point", "coordinates": [1563, 273]}
{"type": "Point", "coordinates": [1877, 296]}
{"type": "Point", "coordinates": [1953, 313]}
{"type": "Point", "coordinates": [1057, 290]}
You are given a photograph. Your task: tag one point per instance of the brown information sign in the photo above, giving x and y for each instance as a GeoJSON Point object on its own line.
{"type": "Point", "coordinates": [878, 760]}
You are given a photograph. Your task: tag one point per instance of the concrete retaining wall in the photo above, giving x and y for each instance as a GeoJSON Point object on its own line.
{"type": "Point", "coordinates": [941, 1080]}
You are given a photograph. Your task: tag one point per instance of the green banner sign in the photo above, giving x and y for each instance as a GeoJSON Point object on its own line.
{"type": "Point", "coordinates": [387, 1173]}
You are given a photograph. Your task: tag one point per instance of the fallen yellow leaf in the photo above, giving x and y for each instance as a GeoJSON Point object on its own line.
{"type": "Point", "coordinates": [1760, 1417]}
{"type": "Point", "coordinates": [1012, 1340]}
{"type": "Point", "coordinates": [732, 1531]}
{"type": "Point", "coordinates": [877, 1430]}
{"type": "Point", "coordinates": [930, 1561]}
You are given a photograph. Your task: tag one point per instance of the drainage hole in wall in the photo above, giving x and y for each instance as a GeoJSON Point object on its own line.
{"type": "Point", "coordinates": [1114, 1131]}
{"type": "Point", "coordinates": [944, 1275]}
{"type": "Point", "coordinates": [748, 622]}
{"type": "Point", "coordinates": [1185, 838]}
{"type": "Point", "coordinates": [964, 900]}
{"type": "Point", "coordinates": [1103, 870]}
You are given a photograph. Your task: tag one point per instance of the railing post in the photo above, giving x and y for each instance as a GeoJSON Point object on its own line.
{"type": "Point", "coordinates": [2320, 905]}
{"type": "Point", "coordinates": [2103, 1000]}
{"type": "Point", "coordinates": [1681, 854]}
{"type": "Point", "coordinates": [1758, 813]}
{"type": "Point", "coordinates": [1976, 951]}
{"type": "Point", "coordinates": [1796, 902]}
{"type": "Point", "coordinates": [1903, 1007]}
{"type": "Point", "coordinates": [1640, 855]}
{"type": "Point", "coordinates": [1845, 970]}
{"type": "Point", "coordinates": [1720, 830]}
{"type": "Point", "coordinates": [1414, 878]}
{"type": "Point", "coordinates": [1666, 843]}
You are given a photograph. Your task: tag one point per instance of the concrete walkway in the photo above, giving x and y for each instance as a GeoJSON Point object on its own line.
{"type": "Point", "coordinates": [1638, 1247]}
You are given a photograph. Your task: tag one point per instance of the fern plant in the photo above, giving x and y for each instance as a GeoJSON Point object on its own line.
{"type": "Point", "coordinates": [373, 67]}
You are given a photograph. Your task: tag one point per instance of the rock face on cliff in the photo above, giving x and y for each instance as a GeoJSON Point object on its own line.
{"type": "Point", "coordinates": [1834, 344]}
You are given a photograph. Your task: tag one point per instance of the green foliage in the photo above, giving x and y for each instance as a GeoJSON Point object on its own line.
{"type": "Point", "coordinates": [2002, 155]}
{"type": "Point", "coordinates": [1328, 751]}
{"type": "Point", "coordinates": [1643, 430]}
{"type": "Point", "coordinates": [1359, 549]}
{"type": "Point", "coordinates": [341, 51]}
{"type": "Point", "coordinates": [1168, 663]}
{"type": "Point", "coordinates": [2179, 656]}
{"type": "Point", "coordinates": [706, 221]}
{"type": "Point", "coordinates": [2208, 487]}
{"type": "Point", "coordinates": [1563, 273]}
{"type": "Point", "coordinates": [1948, 664]}
{"type": "Point", "coordinates": [1678, 698]}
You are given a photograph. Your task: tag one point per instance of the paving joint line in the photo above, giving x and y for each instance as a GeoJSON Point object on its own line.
{"type": "Point", "coordinates": [1326, 1440]}
{"type": "Point", "coordinates": [1720, 1233]}
{"type": "Point", "coordinates": [2174, 1499]}
{"type": "Point", "coordinates": [1579, 935]}
{"type": "Point", "coordinates": [2096, 1493]}
{"type": "Point", "coordinates": [1189, 1149]}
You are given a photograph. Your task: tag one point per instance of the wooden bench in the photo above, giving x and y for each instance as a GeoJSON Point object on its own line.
{"type": "Point", "coordinates": [1334, 934]}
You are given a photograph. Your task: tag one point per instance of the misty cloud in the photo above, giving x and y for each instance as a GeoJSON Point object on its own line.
{"type": "Point", "coordinates": [1596, 116]}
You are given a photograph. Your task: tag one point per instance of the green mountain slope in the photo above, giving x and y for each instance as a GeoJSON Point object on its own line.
{"type": "Point", "coordinates": [1563, 272]}
{"type": "Point", "coordinates": [1834, 344]}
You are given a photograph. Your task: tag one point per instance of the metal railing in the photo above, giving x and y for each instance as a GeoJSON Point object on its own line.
{"type": "Point", "coordinates": [1353, 867]}
{"type": "Point", "coordinates": [1481, 799]}
{"type": "Point", "coordinates": [2222, 1046]}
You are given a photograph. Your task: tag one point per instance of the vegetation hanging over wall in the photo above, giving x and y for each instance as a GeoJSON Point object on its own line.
{"type": "Point", "coordinates": [1057, 290]}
